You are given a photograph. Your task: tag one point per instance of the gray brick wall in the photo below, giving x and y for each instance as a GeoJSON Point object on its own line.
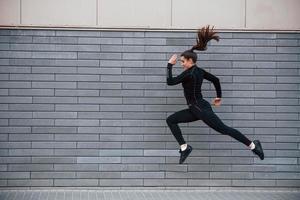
{"type": "Point", "coordinates": [88, 109]}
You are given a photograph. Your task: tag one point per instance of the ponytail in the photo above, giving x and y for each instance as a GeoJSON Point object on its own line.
{"type": "Point", "coordinates": [204, 36]}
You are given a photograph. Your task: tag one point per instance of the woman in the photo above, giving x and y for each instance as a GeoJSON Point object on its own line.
{"type": "Point", "coordinates": [198, 108]}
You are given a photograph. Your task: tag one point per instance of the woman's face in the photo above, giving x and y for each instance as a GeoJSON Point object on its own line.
{"type": "Point", "coordinates": [186, 63]}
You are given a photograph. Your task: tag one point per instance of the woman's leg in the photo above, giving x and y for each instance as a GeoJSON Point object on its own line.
{"type": "Point", "coordinates": [182, 116]}
{"type": "Point", "coordinates": [213, 121]}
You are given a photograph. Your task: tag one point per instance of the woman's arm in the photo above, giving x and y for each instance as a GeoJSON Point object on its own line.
{"type": "Point", "coordinates": [215, 81]}
{"type": "Point", "coordinates": [174, 80]}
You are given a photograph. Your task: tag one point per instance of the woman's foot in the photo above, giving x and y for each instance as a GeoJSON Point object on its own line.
{"type": "Point", "coordinates": [258, 149]}
{"type": "Point", "coordinates": [184, 154]}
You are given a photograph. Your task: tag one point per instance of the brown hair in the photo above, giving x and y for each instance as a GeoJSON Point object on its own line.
{"type": "Point", "coordinates": [204, 35]}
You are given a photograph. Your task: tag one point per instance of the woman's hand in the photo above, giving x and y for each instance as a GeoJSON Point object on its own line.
{"type": "Point", "coordinates": [217, 101]}
{"type": "Point", "coordinates": [173, 59]}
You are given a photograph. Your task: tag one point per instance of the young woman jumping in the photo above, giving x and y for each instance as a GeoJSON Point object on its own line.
{"type": "Point", "coordinates": [198, 108]}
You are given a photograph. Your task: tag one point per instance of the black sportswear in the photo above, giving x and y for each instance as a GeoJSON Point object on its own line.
{"type": "Point", "coordinates": [199, 109]}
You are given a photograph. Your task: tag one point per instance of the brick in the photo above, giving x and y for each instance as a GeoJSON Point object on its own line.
{"type": "Point", "coordinates": [254, 168]}
{"type": "Point", "coordinates": [117, 48]}
{"type": "Point", "coordinates": [123, 93]}
{"type": "Point", "coordinates": [97, 115]}
{"type": "Point", "coordinates": [30, 137]}
{"type": "Point", "coordinates": [54, 85]}
{"type": "Point", "coordinates": [31, 92]}
{"type": "Point", "coordinates": [52, 175]}
{"type": "Point", "coordinates": [253, 79]}
{"type": "Point", "coordinates": [102, 56]}
{"type": "Point", "coordinates": [254, 64]}
{"type": "Point", "coordinates": [30, 152]}
{"type": "Point", "coordinates": [31, 107]}
{"type": "Point", "coordinates": [54, 70]}
{"type": "Point", "coordinates": [12, 69]}
{"type": "Point", "coordinates": [121, 152]}
{"type": "Point", "coordinates": [99, 175]}
{"type": "Point", "coordinates": [288, 50]}
{"type": "Point", "coordinates": [100, 100]}
{"type": "Point", "coordinates": [30, 183]}
{"type": "Point", "coordinates": [277, 101]}
{"type": "Point", "coordinates": [14, 84]}
{"type": "Point", "coordinates": [260, 183]}
{"type": "Point", "coordinates": [70, 47]}
{"type": "Point", "coordinates": [144, 175]}
{"type": "Point", "coordinates": [54, 114]}
{"type": "Point", "coordinates": [16, 145]}
{"type": "Point", "coordinates": [59, 92]}
{"type": "Point", "coordinates": [165, 182]}
{"type": "Point", "coordinates": [14, 175]}
{"type": "Point", "coordinates": [31, 122]}
{"type": "Point", "coordinates": [121, 182]}
{"type": "Point", "coordinates": [277, 87]}
{"type": "Point", "coordinates": [30, 167]}
{"type": "Point", "coordinates": [15, 115]}
{"type": "Point", "coordinates": [124, 63]}
{"type": "Point", "coordinates": [53, 160]}
{"type": "Point", "coordinates": [98, 159]}
{"type": "Point", "coordinates": [288, 65]}
{"type": "Point", "coordinates": [98, 145]}
{"type": "Point", "coordinates": [33, 32]}
{"type": "Point", "coordinates": [54, 100]}
{"type": "Point", "coordinates": [208, 182]}
{"type": "Point", "coordinates": [90, 40]}
{"type": "Point", "coordinates": [76, 107]}
{"type": "Point", "coordinates": [143, 56]}
{"type": "Point", "coordinates": [287, 183]}
{"type": "Point", "coordinates": [289, 124]}
{"type": "Point", "coordinates": [277, 116]}
{"type": "Point", "coordinates": [76, 137]}
{"type": "Point", "coordinates": [96, 85]}
{"type": "Point", "coordinates": [254, 50]}
{"type": "Point", "coordinates": [122, 78]}
{"type": "Point", "coordinates": [288, 109]}
{"type": "Point", "coordinates": [145, 71]}
{"type": "Point", "coordinates": [76, 167]}
{"type": "Point", "coordinates": [17, 39]}
{"type": "Point", "coordinates": [288, 79]}
{"type": "Point", "coordinates": [76, 182]}
{"type": "Point", "coordinates": [77, 78]}
{"type": "Point", "coordinates": [287, 153]}
{"type": "Point", "coordinates": [54, 145]}
{"type": "Point", "coordinates": [55, 55]}
{"type": "Point", "coordinates": [12, 160]}
{"type": "Point", "coordinates": [276, 57]}
{"type": "Point", "coordinates": [75, 152]}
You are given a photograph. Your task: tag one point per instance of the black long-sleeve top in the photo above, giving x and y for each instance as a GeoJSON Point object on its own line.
{"type": "Point", "coordinates": [191, 80]}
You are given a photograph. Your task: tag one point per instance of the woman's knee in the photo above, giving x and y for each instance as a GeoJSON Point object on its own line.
{"type": "Point", "coordinates": [170, 120]}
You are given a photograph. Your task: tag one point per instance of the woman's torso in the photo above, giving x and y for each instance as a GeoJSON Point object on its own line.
{"type": "Point", "coordinates": [192, 86]}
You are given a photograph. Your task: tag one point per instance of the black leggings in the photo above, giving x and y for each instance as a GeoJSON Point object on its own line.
{"type": "Point", "coordinates": [202, 111]}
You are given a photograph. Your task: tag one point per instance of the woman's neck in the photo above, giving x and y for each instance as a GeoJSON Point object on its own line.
{"type": "Point", "coordinates": [188, 67]}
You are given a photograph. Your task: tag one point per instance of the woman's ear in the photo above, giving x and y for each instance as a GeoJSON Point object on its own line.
{"type": "Point", "coordinates": [190, 60]}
